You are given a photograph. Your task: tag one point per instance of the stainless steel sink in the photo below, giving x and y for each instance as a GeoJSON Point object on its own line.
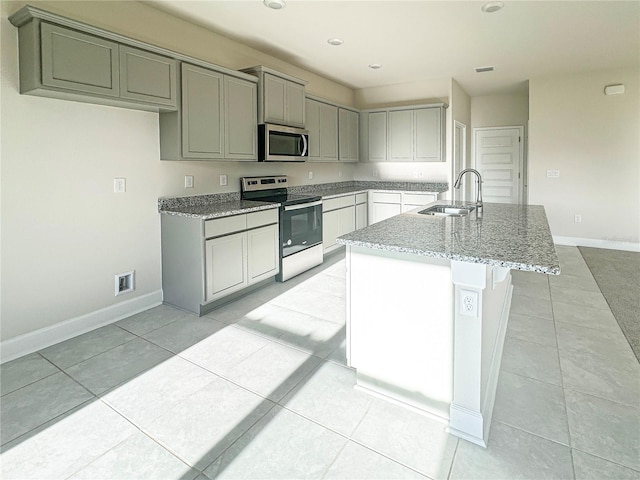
{"type": "Point", "coordinates": [448, 210]}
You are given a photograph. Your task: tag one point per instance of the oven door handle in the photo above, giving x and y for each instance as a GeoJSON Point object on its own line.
{"type": "Point", "coordinates": [288, 208]}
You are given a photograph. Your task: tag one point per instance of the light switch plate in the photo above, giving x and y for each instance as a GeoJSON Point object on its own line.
{"type": "Point", "coordinates": [188, 181]}
{"type": "Point", "coordinates": [310, 175]}
{"type": "Point", "coordinates": [553, 173]}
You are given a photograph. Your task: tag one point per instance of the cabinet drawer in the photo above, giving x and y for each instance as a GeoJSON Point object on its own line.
{"type": "Point", "coordinates": [361, 198]}
{"type": "Point", "coordinates": [224, 225]}
{"type": "Point", "coordinates": [340, 202]}
{"type": "Point", "coordinates": [418, 198]}
{"type": "Point", "coordinates": [386, 197]}
{"type": "Point", "coordinates": [263, 217]}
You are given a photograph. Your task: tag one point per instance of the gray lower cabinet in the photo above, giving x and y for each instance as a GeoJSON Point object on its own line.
{"type": "Point", "coordinates": [338, 218]}
{"type": "Point", "coordinates": [216, 119]}
{"type": "Point", "coordinates": [60, 62]}
{"type": "Point", "coordinates": [322, 124]}
{"type": "Point", "coordinates": [206, 261]}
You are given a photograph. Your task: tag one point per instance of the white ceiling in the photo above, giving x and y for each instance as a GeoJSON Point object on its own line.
{"type": "Point", "coordinates": [430, 41]}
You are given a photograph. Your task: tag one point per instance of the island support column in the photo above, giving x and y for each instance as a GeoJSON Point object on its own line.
{"type": "Point", "coordinates": [481, 312]}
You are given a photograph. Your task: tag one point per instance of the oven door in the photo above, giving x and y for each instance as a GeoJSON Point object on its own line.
{"type": "Point", "coordinates": [300, 227]}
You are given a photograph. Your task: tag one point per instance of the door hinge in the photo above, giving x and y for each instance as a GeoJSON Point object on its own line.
{"type": "Point", "coordinates": [519, 139]}
{"type": "Point", "coordinates": [518, 174]}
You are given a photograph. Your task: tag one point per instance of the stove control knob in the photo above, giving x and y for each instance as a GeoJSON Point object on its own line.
{"type": "Point", "coordinates": [289, 242]}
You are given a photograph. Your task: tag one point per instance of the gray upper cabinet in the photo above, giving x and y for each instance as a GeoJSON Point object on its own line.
{"type": "Point", "coordinates": [147, 77]}
{"type": "Point", "coordinates": [377, 136]}
{"type": "Point", "coordinates": [202, 113]}
{"type": "Point", "coordinates": [404, 134]}
{"type": "Point", "coordinates": [322, 124]}
{"type": "Point", "coordinates": [216, 119]}
{"type": "Point", "coordinates": [240, 112]}
{"type": "Point", "coordinates": [61, 62]}
{"type": "Point", "coordinates": [281, 98]}
{"type": "Point", "coordinates": [74, 61]}
{"type": "Point", "coordinates": [348, 135]}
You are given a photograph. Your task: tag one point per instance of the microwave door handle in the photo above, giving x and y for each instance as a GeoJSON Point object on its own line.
{"type": "Point", "coordinates": [304, 145]}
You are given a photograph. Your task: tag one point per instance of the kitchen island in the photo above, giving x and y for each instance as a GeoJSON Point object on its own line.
{"type": "Point", "coordinates": [428, 301]}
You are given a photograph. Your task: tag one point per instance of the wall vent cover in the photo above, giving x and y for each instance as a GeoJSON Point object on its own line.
{"type": "Point", "coordinates": [483, 69]}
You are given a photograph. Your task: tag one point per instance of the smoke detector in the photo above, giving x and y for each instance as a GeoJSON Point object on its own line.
{"type": "Point", "coordinates": [491, 7]}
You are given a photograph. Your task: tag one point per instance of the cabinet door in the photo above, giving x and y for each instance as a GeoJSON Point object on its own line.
{"type": "Point", "coordinates": [330, 229]}
{"type": "Point", "coordinates": [377, 136]}
{"type": "Point", "coordinates": [240, 119]}
{"type": "Point", "coordinates": [427, 135]}
{"type": "Point", "coordinates": [382, 211]}
{"type": "Point", "coordinates": [400, 141]}
{"type": "Point", "coordinates": [75, 61]}
{"type": "Point", "coordinates": [262, 244]}
{"type": "Point", "coordinates": [202, 113]}
{"type": "Point", "coordinates": [295, 103]}
{"type": "Point", "coordinates": [347, 220]}
{"type": "Point", "coordinates": [348, 134]}
{"type": "Point", "coordinates": [313, 127]}
{"type": "Point", "coordinates": [147, 77]}
{"type": "Point", "coordinates": [275, 94]}
{"type": "Point", "coordinates": [328, 133]}
{"type": "Point", "coordinates": [361, 216]}
{"type": "Point", "coordinates": [226, 265]}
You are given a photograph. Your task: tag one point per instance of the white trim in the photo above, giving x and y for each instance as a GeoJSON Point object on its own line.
{"type": "Point", "coordinates": [596, 243]}
{"type": "Point", "coordinates": [45, 337]}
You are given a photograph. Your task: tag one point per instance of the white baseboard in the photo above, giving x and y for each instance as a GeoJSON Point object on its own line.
{"type": "Point", "coordinates": [45, 337]}
{"type": "Point", "coordinates": [596, 243]}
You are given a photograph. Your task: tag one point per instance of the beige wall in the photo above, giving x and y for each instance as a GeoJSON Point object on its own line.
{"type": "Point", "coordinates": [65, 234]}
{"type": "Point", "coordinates": [500, 110]}
{"type": "Point", "coordinates": [594, 140]}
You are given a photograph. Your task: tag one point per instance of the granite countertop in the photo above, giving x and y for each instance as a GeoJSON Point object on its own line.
{"type": "Point", "coordinates": [330, 190]}
{"type": "Point", "coordinates": [211, 206]}
{"type": "Point", "coordinates": [226, 204]}
{"type": "Point", "coordinates": [512, 236]}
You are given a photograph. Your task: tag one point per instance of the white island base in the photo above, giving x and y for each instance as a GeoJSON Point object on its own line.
{"type": "Point", "coordinates": [428, 332]}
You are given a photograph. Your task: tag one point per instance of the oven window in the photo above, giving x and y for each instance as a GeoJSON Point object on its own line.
{"type": "Point", "coordinates": [301, 229]}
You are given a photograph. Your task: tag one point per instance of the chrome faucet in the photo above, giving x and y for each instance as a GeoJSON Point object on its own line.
{"type": "Point", "coordinates": [478, 181]}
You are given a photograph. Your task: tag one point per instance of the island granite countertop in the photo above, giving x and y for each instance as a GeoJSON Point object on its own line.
{"type": "Point", "coordinates": [512, 236]}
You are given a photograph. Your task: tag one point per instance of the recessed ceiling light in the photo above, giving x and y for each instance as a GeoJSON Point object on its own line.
{"type": "Point", "coordinates": [491, 7]}
{"type": "Point", "coordinates": [484, 69]}
{"type": "Point", "coordinates": [275, 4]}
{"type": "Point", "coordinates": [335, 41]}
{"type": "Point", "coordinates": [375, 66]}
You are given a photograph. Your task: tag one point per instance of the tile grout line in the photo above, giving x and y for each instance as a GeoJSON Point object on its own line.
{"type": "Point", "coordinates": [37, 380]}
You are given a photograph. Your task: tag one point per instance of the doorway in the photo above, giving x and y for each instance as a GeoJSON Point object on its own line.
{"type": "Point", "coordinates": [499, 157]}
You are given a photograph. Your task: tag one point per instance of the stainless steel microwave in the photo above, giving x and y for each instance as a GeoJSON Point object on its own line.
{"type": "Point", "coordinates": [277, 143]}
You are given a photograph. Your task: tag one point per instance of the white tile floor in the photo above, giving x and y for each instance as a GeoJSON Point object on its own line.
{"type": "Point", "coordinates": [258, 389]}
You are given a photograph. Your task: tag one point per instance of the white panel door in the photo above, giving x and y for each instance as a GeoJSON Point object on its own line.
{"type": "Point", "coordinates": [498, 158]}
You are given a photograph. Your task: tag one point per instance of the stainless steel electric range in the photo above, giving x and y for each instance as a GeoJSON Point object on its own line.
{"type": "Point", "coordinates": [300, 223]}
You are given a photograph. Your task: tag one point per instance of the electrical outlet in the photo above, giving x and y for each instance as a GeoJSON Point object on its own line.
{"type": "Point", "coordinates": [188, 181]}
{"type": "Point", "coordinates": [223, 180]}
{"type": "Point", "coordinates": [577, 218]}
{"type": "Point", "coordinates": [339, 173]}
{"type": "Point", "coordinates": [310, 175]}
{"type": "Point", "coordinates": [469, 303]}
{"type": "Point", "coordinates": [119, 185]}
{"type": "Point", "coordinates": [553, 173]}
